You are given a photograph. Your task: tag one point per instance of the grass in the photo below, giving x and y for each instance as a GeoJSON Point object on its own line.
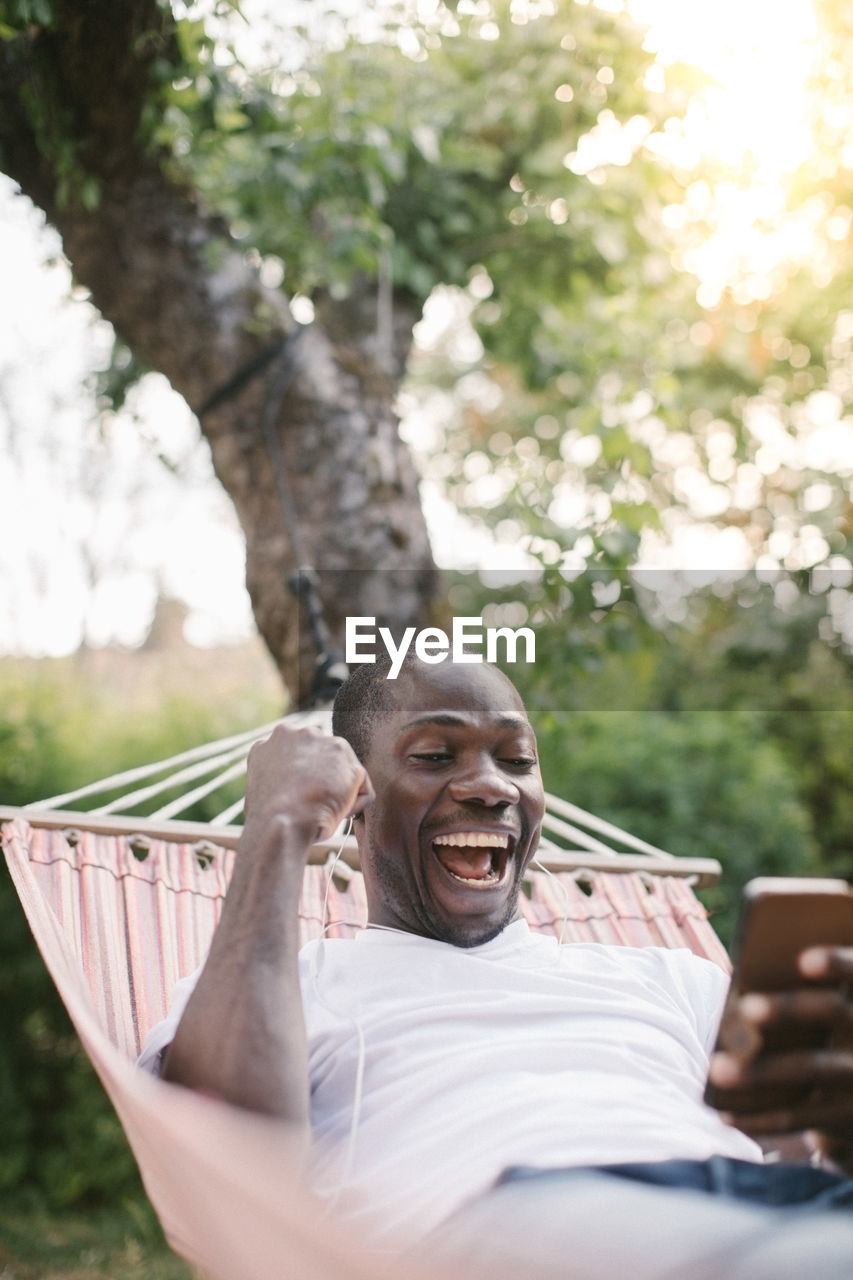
{"type": "Point", "coordinates": [122, 1244]}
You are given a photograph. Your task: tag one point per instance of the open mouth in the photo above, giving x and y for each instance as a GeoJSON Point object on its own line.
{"type": "Point", "coordinates": [477, 858]}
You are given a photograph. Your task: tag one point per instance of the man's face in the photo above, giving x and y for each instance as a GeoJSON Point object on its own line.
{"type": "Point", "coordinates": [458, 806]}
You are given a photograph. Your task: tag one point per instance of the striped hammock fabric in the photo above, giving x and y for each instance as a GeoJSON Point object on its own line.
{"type": "Point", "coordinates": [227, 1185]}
{"type": "Point", "coordinates": [120, 917]}
{"type": "Point", "coordinates": [138, 919]}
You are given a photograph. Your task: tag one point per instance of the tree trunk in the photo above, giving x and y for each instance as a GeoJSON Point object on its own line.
{"type": "Point", "coordinates": [306, 442]}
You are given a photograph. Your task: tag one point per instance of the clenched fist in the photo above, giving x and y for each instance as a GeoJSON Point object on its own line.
{"type": "Point", "coordinates": [303, 775]}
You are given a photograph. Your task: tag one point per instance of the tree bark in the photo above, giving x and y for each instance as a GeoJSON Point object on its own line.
{"type": "Point", "coordinates": [306, 446]}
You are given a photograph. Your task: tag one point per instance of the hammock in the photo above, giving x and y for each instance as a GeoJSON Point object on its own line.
{"type": "Point", "coordinates": [123, 906]}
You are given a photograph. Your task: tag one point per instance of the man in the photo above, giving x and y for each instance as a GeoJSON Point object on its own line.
{"type": "Point", "coordinates": [447, 1045]}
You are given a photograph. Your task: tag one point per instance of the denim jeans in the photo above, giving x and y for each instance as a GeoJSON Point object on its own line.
{"type": "Point", "coordinates": [718, 1219]}
{"type": "Point", "coordinates": [787, 1186]}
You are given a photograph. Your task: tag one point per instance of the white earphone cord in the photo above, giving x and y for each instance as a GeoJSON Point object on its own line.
{"type": "Point", "coordinates": [567, 901]}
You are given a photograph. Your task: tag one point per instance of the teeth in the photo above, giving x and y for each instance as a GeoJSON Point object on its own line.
{"type": "Point", "coordinates": [475, 840]}
{"type": "Point", "coordinates": [488, 879]}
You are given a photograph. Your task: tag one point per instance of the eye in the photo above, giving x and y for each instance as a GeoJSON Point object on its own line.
{"type": "Point", "coordinates": [433, 757]}
{"type": "Point", "coordinates": [522, 763]}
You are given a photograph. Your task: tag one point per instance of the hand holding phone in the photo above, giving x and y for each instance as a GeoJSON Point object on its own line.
{"type": "Point", "coordinates": [784, 1056]}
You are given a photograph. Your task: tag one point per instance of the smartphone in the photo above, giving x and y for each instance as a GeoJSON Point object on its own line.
{"type": "Point", "coordinates": [780, 917]}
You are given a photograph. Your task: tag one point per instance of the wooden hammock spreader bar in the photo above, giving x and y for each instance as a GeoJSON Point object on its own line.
{"type": "Point", "coordinates": [702, 871]}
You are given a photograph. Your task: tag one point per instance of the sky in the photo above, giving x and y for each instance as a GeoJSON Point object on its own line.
{"type": "Point", "coordinates": [97, 519]}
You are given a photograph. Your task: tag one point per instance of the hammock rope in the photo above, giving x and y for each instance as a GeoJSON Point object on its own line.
{"type": "Point", "coordinates": [187, 766]}
{"type": "Point", "coordinates": [136, 774]}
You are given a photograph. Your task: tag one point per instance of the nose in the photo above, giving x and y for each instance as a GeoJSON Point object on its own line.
{"type": "Point", "coordinates": [481, 781]}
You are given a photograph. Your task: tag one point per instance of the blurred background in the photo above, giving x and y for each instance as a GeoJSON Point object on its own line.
{"type": "Point", "coordinates": [593, 257]}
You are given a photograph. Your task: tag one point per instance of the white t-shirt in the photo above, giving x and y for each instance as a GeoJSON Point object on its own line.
{"type": "Point", "coordinates": [517, 1052]}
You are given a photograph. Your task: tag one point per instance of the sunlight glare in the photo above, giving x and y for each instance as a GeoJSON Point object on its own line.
{"type": "Point", "coordinates": [758, 52]}
{"type": "Point", "coordinates": [752, 125]}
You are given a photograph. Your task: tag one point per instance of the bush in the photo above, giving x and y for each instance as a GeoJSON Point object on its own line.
{"type": "Point", "coordinates": [698, 784]}
{"type": "Point", "coordinates": [64, 723]}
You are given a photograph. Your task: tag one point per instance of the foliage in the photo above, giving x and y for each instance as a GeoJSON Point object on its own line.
{"type": "Point", "coordinates": [63, 724]}
{"type": "Point", "coordinates": [709, 720]}
{"type": "Point", "coordinates": [683, 396]}
{"type": "Point", "coordinates": [696, 783]}
{"type": "Point", "coordinates": [119, 1243]}
{"type": "Point", "coordinates": [386, 141]}
{"type": "Point", "coordinates": [448, 151]}
{"type": "Point", "coordinates": [443, 150]}
{"type": "Point", "coordinates": [601, 385]}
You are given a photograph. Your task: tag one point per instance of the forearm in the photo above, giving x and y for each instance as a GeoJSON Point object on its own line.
{"type": "Point", "coordinates": [242, 1034]}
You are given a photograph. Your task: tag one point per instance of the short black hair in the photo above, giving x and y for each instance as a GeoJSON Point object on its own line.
{"type": "Point", "coordinates": [367, 697]}
{"type": "Point", "coordinates": [363, 700]}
